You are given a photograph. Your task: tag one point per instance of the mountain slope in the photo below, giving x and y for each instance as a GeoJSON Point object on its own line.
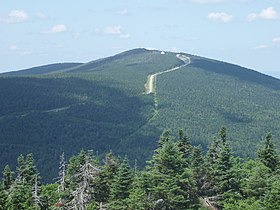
{"type": "Point", "coordinates": [102, 105]}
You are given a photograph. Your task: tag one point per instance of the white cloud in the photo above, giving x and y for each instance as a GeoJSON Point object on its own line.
{"type": "Point", "coordinates": [122, 12]}
{"type": "Point", "coordinates": [260, 47]}
{"type": "Point", "coordinates": [116, 30]}
{"type": "Point", "coordinates": [15, 16]}
{"type": "Point", "coordinates": [207, 1]}
{"type": "Point", "coordinates": [220, 17]}
{"type": "Point", "coordinates": [113, 30]}
{"type": "Point", "coordinates": [174, 49]}
{"type": "Point", "coordinates": [41, 15]}
{"type": "Point", "coordinates": [14, 47]}
{"type": "Point", "coordinates": [56, 29]}
{"type": "Point", "coordinates": [276, 40]}
{"type": "Point", "coordinates": [251, 17]}
{"type": "Point", "coordinates": [97, 30]}
{"type": "Point", "coordinates": [125, 36]}
{"type": "Point", "coordinates": [220, 1]}
{"type": "Point", "coordinates": [268, 14]}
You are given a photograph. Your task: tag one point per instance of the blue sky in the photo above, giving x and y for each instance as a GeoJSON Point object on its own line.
{"type": "Point", "coordinates": [36, 32]}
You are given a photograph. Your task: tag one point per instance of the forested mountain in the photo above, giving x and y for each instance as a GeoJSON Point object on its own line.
{"type": "Point", "coordinates": [103, 105]}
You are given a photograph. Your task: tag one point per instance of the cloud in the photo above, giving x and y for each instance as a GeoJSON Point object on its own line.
{"type": "Point", "coordinates": [268, 14]}
{"type": "Point", "coordinates": [220, 1]}
{"type": "Point", "coordinates": [41, 16]}
{"type": "Point", "coordinates": [125, 36]}
{"type": "Point", "coordinates": [14, 47]}
{"type": "Point", "coordinates": [122, 12]}
{"type": "Point", "coordinates": [251, 17]}
{"type": "Point", "coordinates": [276, 40]}
{"type": "Point", "coordinates": [56, 29]}
{"type": "Point", "coordinates": [113, 30]}
{"type": "Point", "coordinates": [116, 30]}
{"type": "Point", "coordinates": [260, 47]}
{"type": "Point", "coordinates": [207, 1]}
{"type": "Point", "coordinates": [220, 17]}
{"type": "Point", "coordinates": [15, 16]}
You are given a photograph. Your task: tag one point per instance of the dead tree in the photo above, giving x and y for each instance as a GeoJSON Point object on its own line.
{"type": "Point", "coordinates": [83, 193]}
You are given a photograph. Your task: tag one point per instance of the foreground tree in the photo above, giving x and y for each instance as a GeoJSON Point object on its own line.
{"type": "Point", "coordinates": [121, 187]}
{"type": "Point", "coordinates": [83, 193]}
{"type": "Point", "coordinates": [172, 184]}
{"type": "Point", "coordinates": [222, 181]}
{"type": "Point", "coordinates": [267, 154]}
{"type": "Point", "coordinates": [103, 182]}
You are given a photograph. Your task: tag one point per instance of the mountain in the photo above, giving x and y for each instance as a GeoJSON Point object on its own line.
{"type": "Point", "coordinates": [103, 105]}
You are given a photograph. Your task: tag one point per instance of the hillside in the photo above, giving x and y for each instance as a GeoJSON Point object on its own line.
{"type": "Point", "coordinates": [102, 105]}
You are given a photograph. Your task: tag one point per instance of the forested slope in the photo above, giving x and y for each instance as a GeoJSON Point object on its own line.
{"type": "Point", "coordinates": [246, 101]}
{"type": "Point", "coordinates": [102, 105]}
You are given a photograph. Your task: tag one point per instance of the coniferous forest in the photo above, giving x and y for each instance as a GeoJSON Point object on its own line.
{"type": "Point", "coordinates": [177, 177]}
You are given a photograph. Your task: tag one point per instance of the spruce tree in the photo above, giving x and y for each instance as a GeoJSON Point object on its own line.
{"type": "Point", "coordinates": [272, 197]}
{"type": "Point", "coordinates": [256, 183]}
{"type": "Point", "coordinates": [138, 198]}
{"type": "Point", "coordinates": [198, 167]}
{"type": "Point", "coordinates": [8, 177]}
{"type": "Point", "coordinates": [222, 180]}
{"type": "Point", "coordinates": [172, 185]}
{"type": "Point", "coordinates": [103, 182]}
{"type": "Point", "coordinates": [185, 147]}
{"type": "Point", "coordinates": [121, 187]}
{"type": "Point", "coordinates": [267, 154]}
{"type": "Point", "coordinates": [3, 197]}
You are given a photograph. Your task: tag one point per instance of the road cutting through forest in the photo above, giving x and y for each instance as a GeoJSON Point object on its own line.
{"type": "Point", "coordinates": [151, 81]}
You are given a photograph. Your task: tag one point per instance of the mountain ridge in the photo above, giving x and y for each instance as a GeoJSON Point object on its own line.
{"type": "Point", "coordinates": [73, 66]}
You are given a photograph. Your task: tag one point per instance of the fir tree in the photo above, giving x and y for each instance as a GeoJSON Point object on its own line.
{"type": "Point", "coordinates": [8, 177]}
{"type": "Point", "coordinates": [222, 180]}
{"type": "Point", "coordinates": [271, 198]}
{"type": "Point", "coordinates": [3, 197]}
{"type": "Point", "coordinates": [198, 167]}
{"type": "Point", "coordinates": [173, 186]}
{"type": "Point", "coordinates": [185, 147]}
{"type": "Point", "coordinates": [121, 187]}
{"type": "Point", "coordinates": [267, 154]}
{"type": "Point", "coordinates": [138, 198]}
{"type": "Point", "coordinates": [20, 196]}
{"type": "Point", "coordinates": [256, 184]}
{"type": "Point", "coordinates": [103, 183]}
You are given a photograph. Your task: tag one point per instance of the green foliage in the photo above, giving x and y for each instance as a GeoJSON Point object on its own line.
{"type": "Point", "coordinates": [103, 183]}
{"type": "Point", "coordinates": [177, 177]}
{"type": "Point", "coordinates": [8, 177]}
{"type": "Point", "coordinates": [20, 197]}
{"type": "Point", "coordinates": [138, 198]}
{"type": "Point", "coordinates": [199, 99]}
{"type": "Point", "coordinates": [121, 187]}
{"type": "Point", "coordinates": [271, 199]}
{"type": "Point", "coordinates": [49, 196]}
{"type": "Point", "coordinates": [172, 185]}
{"type": "Point", "coordinates": [267, 154]}
{"type": "Point", "coordinates": [248, 204]}
{"type": "Point", "coordinates": [3, 197]}
{"type": "Point", "coordinates": [257, 181]}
